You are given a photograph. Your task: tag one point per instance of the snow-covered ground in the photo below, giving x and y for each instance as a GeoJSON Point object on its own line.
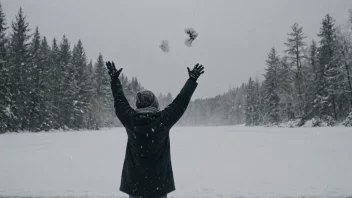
{"type": "Point", "coordinates": [208, 162]}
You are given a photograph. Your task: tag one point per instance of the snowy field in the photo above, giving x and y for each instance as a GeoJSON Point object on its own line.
{"type": "Point", "coordinates": [208, 162]}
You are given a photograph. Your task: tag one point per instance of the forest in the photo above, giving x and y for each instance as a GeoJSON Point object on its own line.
{"type": "Point", "coordinates": [311, 81]}
{"type": "Point", "coordinates": [48, 85]}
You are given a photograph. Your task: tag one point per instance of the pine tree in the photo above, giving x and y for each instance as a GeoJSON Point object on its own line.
{"type": "Point", "coordinates": [34, 74]}
{"type": "Point", "coordinates": [4, 75]}
{"type": "Point", "coordinates": [348, 66]}
{"type": "Point", "coordinates": [84, 92]}
{"type": "Point", "coordinates": [68, 85]}
{"type": "Point", "coordinates": [312, 79]}
{"type": "Point", "coordinates": [296, 44]}
{"type": "Point", "coordinates": [103, 102]}
{"type": "Point", "coordinates": [18, 64]}
{"type": "Point", "coordinates": [261, 101]}
{"type": "Point", "coordinates": [272, 106]}
{"type": "Point", "coordinates": [344, 59]}
{"type": "Point", "coordinates": [285, 89]}
{"type": "Point", "coordinates": [271, 87]}
{"type": "Point", "coordinates": [251, 109]}
{"type": "Point", "coordinates": [3, 39]}
{"type": "Point", "coordinates": [325, 101]}
{"type": "Point", "coordinates": [232, 111]}
{"type": "Point", "coordinates": [55, 83]}
{"type": "Point", "coordinates": [313, 58]}
{"type": "Point", "coordinates": [341, 78]}
{"type": "Point", "coordinates": [46, 106]}
{"type": "Point", "coordinates": [91, 118]}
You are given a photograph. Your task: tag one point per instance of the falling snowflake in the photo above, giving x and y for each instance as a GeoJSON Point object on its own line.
{"type": "Point", "coordinates": [192, 34]}
{"type": "Point", "coordinates": [164, 46]}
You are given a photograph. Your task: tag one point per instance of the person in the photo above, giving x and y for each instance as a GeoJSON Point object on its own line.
{"type": "Point", "coordinates": [147, 170]}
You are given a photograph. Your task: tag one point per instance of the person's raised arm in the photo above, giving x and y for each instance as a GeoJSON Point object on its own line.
{"type": "Point", "coordinates": [123, 109]}
{"type": "Point", "coordinates": [173, 112]}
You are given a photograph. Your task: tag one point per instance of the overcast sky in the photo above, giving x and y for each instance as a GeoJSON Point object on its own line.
{"type": "Point", "coordinates": [234, 36]}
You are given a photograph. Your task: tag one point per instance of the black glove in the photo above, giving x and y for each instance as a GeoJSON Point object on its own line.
{"type": "Point", "coordinates": [196, 72]}
{"type": "Point", "coordinates": [112, 70]}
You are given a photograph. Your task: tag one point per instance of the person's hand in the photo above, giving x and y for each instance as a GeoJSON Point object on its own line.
{"type": "Point", "coordinates": [113, 73]}
{"type": "Point", "coordinates": [196, 72]}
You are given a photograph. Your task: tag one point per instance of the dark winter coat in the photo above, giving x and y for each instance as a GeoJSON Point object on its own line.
{"type": "Point", "coordinates": [147, 170]}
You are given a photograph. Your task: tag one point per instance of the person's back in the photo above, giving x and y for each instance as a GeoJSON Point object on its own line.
{"type": "Point", "coordinates": [147, 170]}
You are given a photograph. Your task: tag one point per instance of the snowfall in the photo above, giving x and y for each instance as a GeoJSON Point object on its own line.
{"type": "Point", "coordinates": [224, 162]}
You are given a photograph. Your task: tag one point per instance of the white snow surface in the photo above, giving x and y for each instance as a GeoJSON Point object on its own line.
{"type": "Point", "coordinates": [207, 161]}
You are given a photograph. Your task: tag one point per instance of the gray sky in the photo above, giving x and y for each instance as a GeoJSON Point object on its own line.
{"type": "Point", "coordinates": [234, 36]}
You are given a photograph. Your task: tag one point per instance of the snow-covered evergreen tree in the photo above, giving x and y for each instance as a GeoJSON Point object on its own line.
{"type": "Point", "coordinates": [251, 108]}
{"type": "Point", "coordinates": [271, 88]}
{"type": "Point", "coordinates": [348, 121]}
{"type": "Point", "coordinates": [90, 116]}
{"type": "Point", "coordinates": [34, 77]}
{"type": "Point", "coordinates": [18, 64]}
{"type": "Point", "coordinates": [325, 102]}
{"type": "Point", "coordinates": [342, 79]}
{"type": "Point", "coordinates": [3, 36]}
{"type": "Point", "coordinates": [285, 89]}
{"type": "Point", "coordinates": [68, 86]}
{"type": "Point", "coordinates": [84, 86]}
{"type": "Point", "coordinates": [5, 113]}
{"type": "Point", "coordinates": [311, 79]}
{"type": "Point", "coordinates": [103, 103]}
{"type": "Point", "coordinates": [343, 59]}
{"type": "Point", "coordinates": [55, 82]}
{"type": "Point", "coordinates": [295, 49]}
{"type": "Point", "coordinates": [46, 106]}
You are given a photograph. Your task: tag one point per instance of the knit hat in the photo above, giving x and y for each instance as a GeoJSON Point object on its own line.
{"type": "Point", "coordinates": [145, 99]}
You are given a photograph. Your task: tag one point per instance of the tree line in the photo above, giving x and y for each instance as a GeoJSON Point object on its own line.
{"type": "Point", "coordinates": [54, 86]}
{"type": "Point", "coordinates": [309, 81]}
